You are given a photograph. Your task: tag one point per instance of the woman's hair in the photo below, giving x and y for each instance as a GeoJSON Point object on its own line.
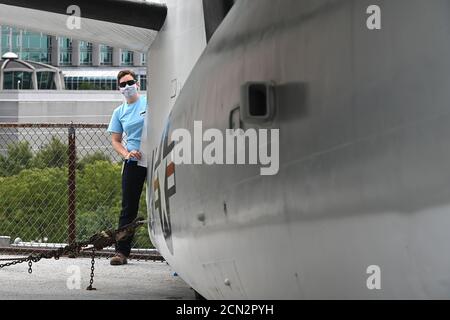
{"type": "Point", "coordinates": [124, 73]}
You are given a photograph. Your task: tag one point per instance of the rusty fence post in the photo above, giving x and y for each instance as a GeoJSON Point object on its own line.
{"type": "Point", "coordinates": [72, 195]}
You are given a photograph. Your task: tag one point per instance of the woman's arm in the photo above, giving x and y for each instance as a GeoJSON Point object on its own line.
{"type": "Point", "coordinates": [118, 146]}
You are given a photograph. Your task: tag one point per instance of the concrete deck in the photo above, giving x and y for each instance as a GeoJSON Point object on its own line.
{"type": "Point", "coordinates": [50, 278]}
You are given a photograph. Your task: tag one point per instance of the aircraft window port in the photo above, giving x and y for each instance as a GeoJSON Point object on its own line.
{"type": "Point", "coordinates": [258, 102]}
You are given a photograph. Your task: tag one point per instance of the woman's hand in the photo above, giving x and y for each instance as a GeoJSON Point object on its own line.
{"type": "Point", "coordinates": [118, 146]}
{"type": "Point", "coordinates": [134, 155]}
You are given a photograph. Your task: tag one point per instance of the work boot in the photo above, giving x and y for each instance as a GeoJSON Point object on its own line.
{"type": "Point", "coordinates": [118, 260]}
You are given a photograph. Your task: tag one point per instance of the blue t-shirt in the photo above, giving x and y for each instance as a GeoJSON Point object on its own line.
{"type": "Point", "coordinates": [129, 119]}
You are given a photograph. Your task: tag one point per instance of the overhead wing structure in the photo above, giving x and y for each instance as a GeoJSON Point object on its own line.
{"type": "Point", "coordinates": [128, 24]}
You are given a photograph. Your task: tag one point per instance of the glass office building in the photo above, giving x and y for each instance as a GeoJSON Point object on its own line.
{"type": "Point", "coordinates": [28, 45]}
{"type": "Point", "coordinates": [85, 53]}
{"type": "Point", "coordinates": [106, 55]}
{"type": "Point", "coordinates": [86, 66]}
{"type": "Point", "coordinates": [17, 74]}
{"type": "Point", "coordinates": [96, 81]}
{"type": "Point", "coordinates": [65, 51]}
{"type": "Point", "coordinates": [127, 58]}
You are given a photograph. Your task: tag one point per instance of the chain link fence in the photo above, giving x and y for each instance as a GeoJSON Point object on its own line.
{"type": "Point", "coordinates": [60, 183]}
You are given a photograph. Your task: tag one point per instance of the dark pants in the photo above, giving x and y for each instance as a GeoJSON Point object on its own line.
{"type": "Point", "coordinates": [133, 179]}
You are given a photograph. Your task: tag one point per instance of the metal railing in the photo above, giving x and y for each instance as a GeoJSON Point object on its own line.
{"type": "Point", "coordinates": [60, 183]}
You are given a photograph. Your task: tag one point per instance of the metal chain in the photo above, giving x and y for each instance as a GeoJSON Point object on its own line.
{"type": "Point", "coordinates": [98, 242]}
{"type": "Point", "coordinates": [14, 262]}
{"type": "Point", "coordinates": [30, 267]}
{"type": "Point", "coordinates": [91, 282]}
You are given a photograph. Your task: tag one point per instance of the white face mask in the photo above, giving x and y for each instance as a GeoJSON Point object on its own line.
{"type": "Point", "coordinates": [129, 92]}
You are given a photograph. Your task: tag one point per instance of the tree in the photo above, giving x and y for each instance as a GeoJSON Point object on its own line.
{"type": "Point", "coordinates": [89, 86]}
{"type": "Point", "coordinates": [54, 155]}
{"type": "Point", "coordinates": [18, 159]}
{"type": "Point", "coordinates": [3, 166]}
{"type": "Point", "coordinates": [34, 205]}
{"type": "Point", "coordinates": [34, 202]}
{"type": "Point", "coordinates": [91, 159]}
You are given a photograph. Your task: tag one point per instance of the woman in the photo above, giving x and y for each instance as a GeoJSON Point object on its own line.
{"type": "Point", "coordinates": [129, 119]}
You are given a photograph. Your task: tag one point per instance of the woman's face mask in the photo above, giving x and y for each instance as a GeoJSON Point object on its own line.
{"type": "Point", "coordinates": [129, 92]}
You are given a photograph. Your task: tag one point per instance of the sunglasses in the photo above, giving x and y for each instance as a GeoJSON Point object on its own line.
{"type": "Point", "coordinates": [129, 83]}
